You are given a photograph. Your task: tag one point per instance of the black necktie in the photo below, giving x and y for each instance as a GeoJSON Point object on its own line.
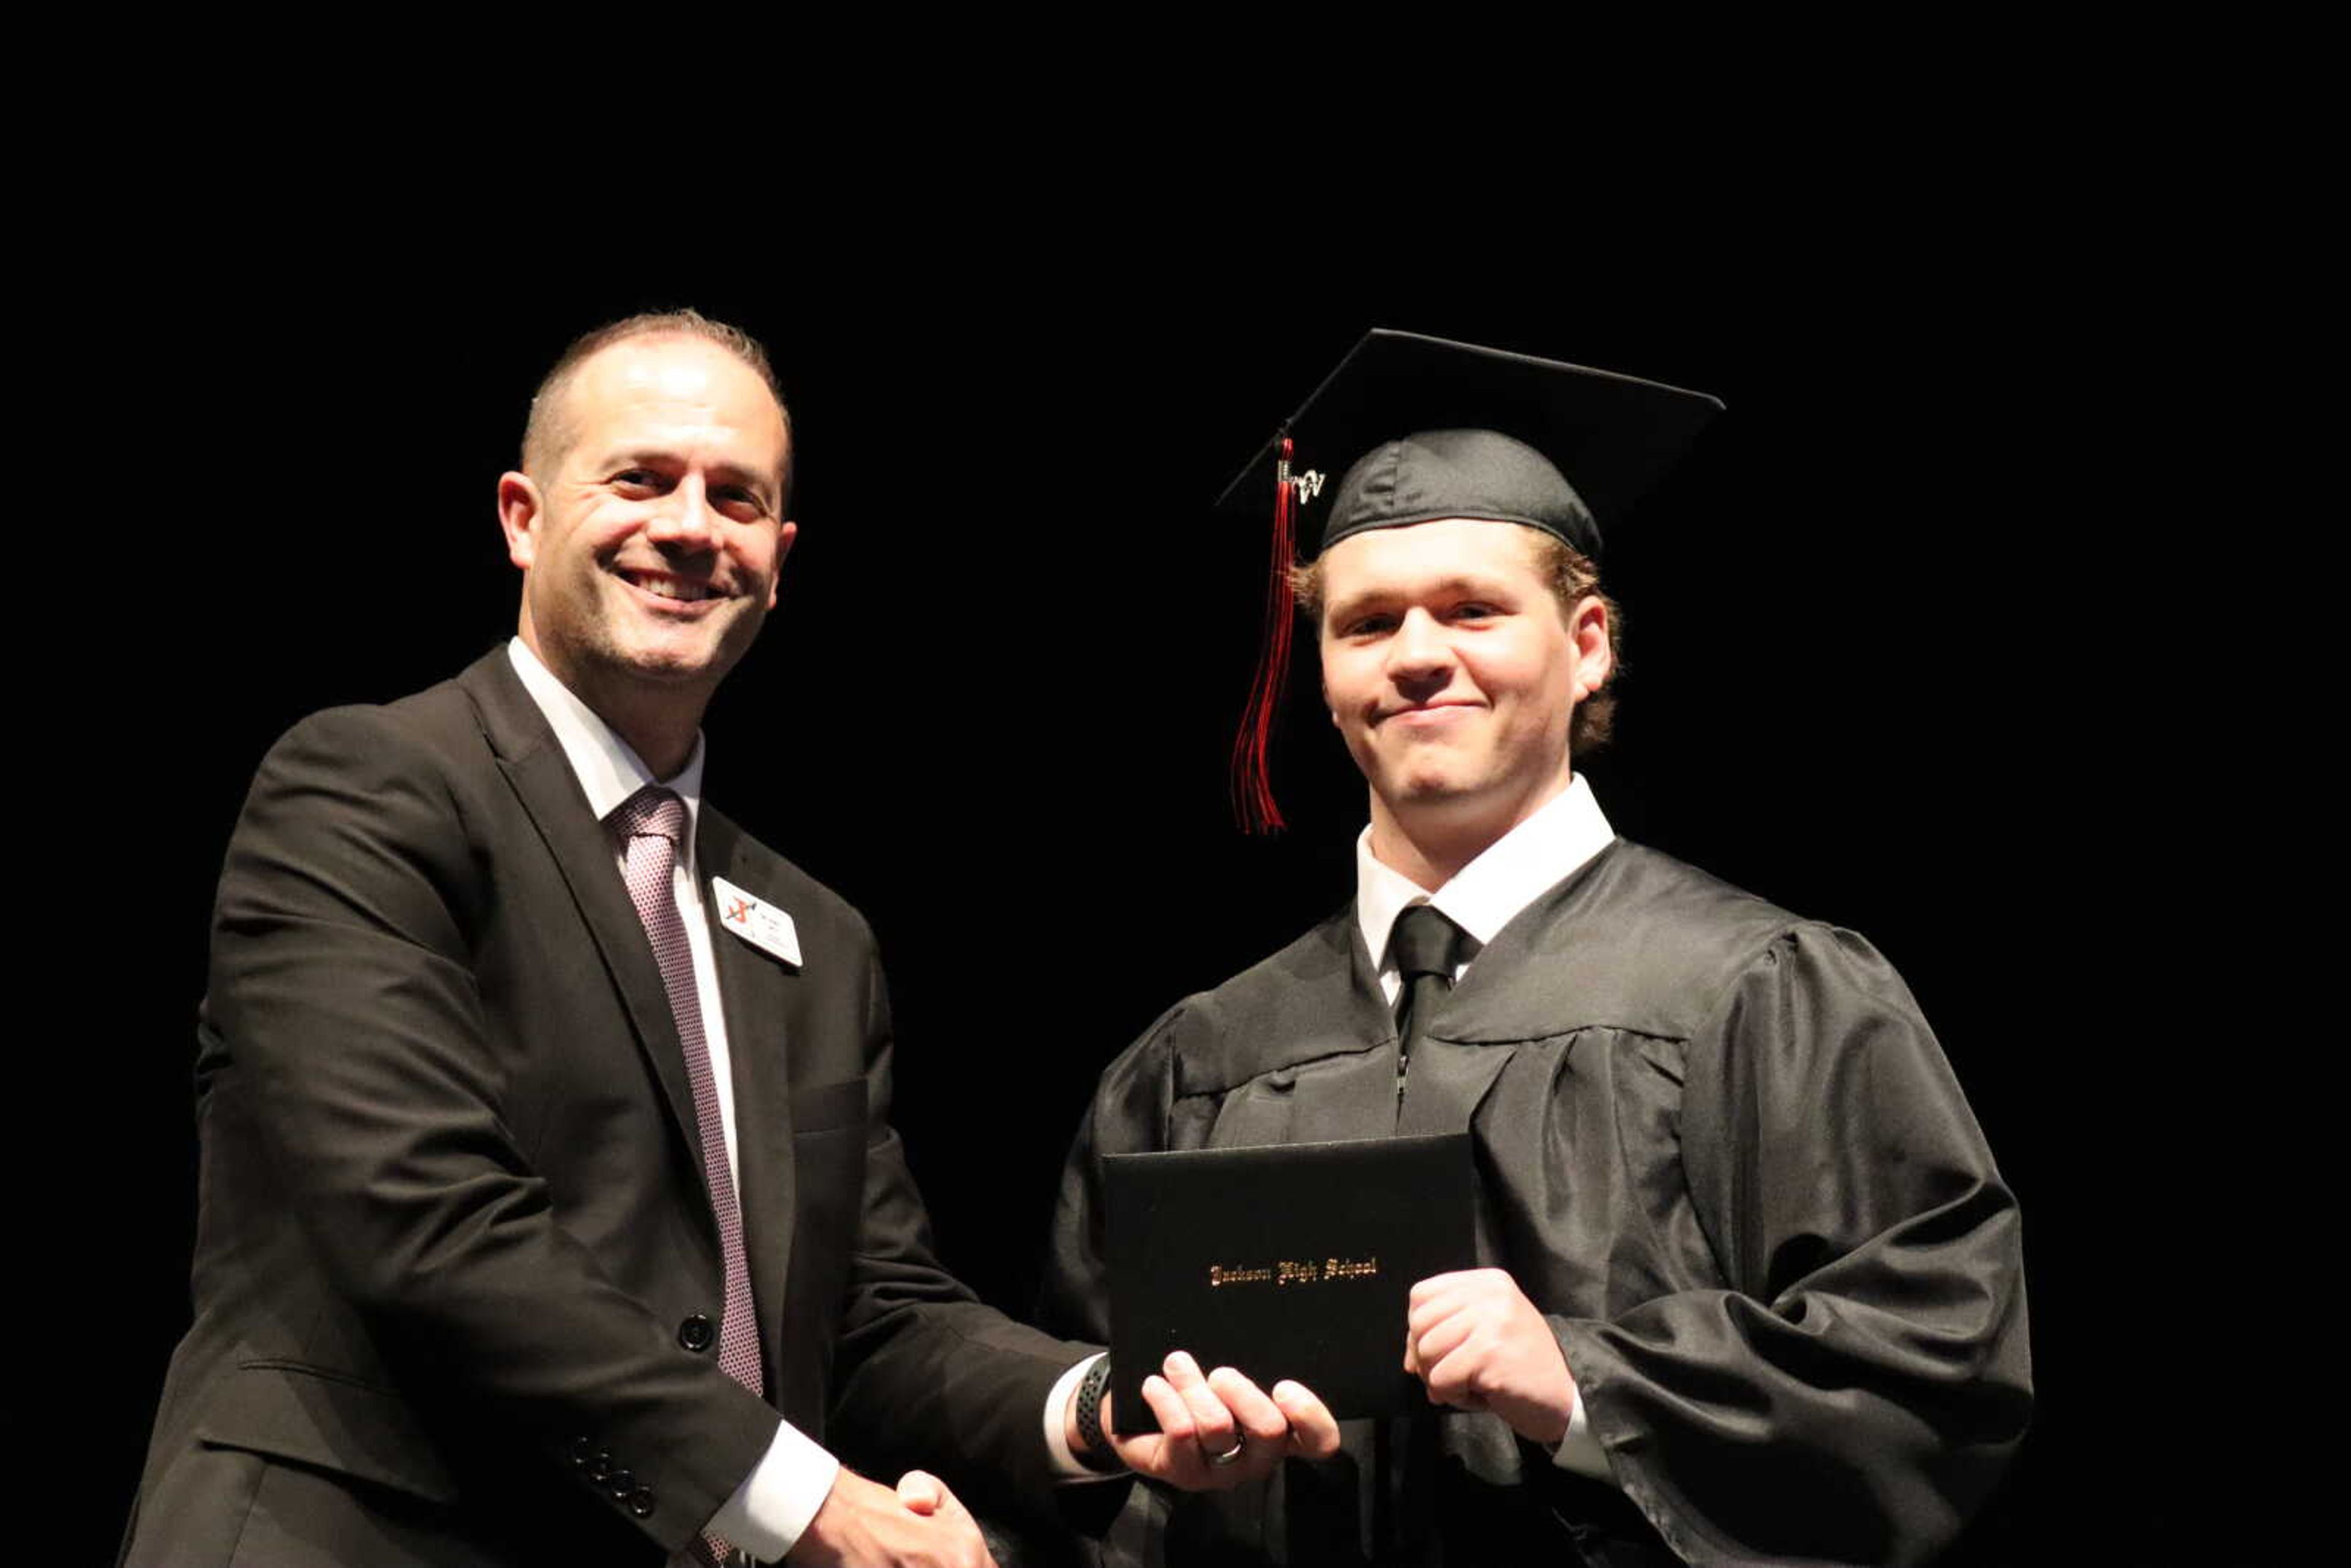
{"type": "Point", "coordinates": [1428, 947]}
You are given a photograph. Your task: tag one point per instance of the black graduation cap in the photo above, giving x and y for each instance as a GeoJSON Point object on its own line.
{"type": "Point", "coordinates": [1427, 428]}
{"type": "Point", "coordinates": [1577, 447]}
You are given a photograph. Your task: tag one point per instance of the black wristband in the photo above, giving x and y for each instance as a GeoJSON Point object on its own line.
{"type": "Point", "coordinates": [1096, 1454]}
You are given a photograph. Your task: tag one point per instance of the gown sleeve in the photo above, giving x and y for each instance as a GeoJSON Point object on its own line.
{"type": "Point", "coordinates": [1859, 1383]}
{"type": "Point", "coordinates": [1129, 1114]}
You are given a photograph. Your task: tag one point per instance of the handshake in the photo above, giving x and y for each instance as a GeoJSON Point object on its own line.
{"type": "Point", "coordinates": [1214, 1431]}
{"type": "Point", "coordinates": [1472, 1338]}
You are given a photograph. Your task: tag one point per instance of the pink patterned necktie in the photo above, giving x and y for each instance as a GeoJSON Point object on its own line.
{"type": "Point", "coordinates": [651, 825]}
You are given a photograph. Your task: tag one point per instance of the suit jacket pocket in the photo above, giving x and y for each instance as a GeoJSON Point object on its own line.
{"type": "Point", "coordinates": [828, 1107]}
{"type": "Point", "coordinates": [315, 1416]}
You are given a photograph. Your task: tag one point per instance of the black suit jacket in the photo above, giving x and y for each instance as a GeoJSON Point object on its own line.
{"type": "Point", "coordinates": [455, 1257]}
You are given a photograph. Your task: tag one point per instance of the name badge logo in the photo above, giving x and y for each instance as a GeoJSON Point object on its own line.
{"type": "Point", "coordinates": [763, 926]}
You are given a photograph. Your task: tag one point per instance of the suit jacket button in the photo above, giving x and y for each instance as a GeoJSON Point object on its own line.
{"type": "Point", "coordinates": [579, 1450]}
{"type": "Point", "coordinates": [620, 1483]}
{"type": "Point", "coordinates": [600, 1464]}
{"type": "Point", "coordinates": [697, 1333]}
{"type": "Point", "coordinates": [641, 1502]}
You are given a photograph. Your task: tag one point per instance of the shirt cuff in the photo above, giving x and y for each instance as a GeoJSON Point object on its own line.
{"type": "Point", "coordinates": [1581, 1451]}
{"type": "Point", "coordinates": [776, 1502]}
{"type": "Point", "coordinates": [1057, 1442]}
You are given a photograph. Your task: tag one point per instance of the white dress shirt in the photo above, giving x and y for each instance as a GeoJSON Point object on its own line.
{"type": "Point", "coordinates": [1484, 897]}
{"type": "Point", "coordinates": [783, 1492]}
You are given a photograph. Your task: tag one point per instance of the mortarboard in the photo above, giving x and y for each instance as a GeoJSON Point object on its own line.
{"type": "Point", "coordinates": [1427, 428]}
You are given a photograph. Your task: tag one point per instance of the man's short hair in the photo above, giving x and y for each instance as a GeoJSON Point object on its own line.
{"type": "Point", "coordinates": [1573, 578]}
{"type": "Point", "coordinates": [545, 437]}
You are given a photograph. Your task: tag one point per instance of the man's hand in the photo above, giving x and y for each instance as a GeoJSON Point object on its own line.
{"type": "Point", "coordinates": [862, 1525]}
{"type": "Point", "coordinates": [1479, 1343]}
{"type": "Point", "coordinates": [1220, 1430]}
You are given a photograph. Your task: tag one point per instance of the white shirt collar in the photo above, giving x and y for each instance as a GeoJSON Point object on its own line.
{"type": "Point", "coordinates": [1485, 894]}
{"type": "Point", "coordinates": [608, 767]}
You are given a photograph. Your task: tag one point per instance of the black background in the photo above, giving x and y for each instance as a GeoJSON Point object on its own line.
{"type": "Point", "coordinates": [1910, 649]}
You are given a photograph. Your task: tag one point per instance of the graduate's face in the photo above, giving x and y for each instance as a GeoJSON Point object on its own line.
{"type": "Point", "coordinates": [651, 547]}
{"type": "Point", "coordinates": [1451, 670]}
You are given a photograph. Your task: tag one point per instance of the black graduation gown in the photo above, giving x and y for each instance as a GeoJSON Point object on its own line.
{"type": "Point", "coordinates": [1718, 1147]}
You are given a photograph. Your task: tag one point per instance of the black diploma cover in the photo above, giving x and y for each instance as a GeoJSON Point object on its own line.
{"type": "Point", "coordinates": [1294, 1260]}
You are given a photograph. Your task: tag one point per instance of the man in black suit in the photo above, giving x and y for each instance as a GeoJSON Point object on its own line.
{"type": "Point", "coordinates": [520, 1066]}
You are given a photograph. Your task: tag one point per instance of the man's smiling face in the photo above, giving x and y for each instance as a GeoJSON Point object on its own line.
{"type": "Point", "coordinates": [1451, 671]}
{"type": "Point", "coordinates": [651, 547]}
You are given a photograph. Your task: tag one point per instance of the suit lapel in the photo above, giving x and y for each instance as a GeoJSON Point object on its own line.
{"type": "Point", "coordinates": [759, 992]}
{"type": "Point", "coordinates": [543, 781]}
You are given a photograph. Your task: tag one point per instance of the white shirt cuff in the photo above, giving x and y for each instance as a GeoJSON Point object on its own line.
{"type": "Point", "coordinates": [776, 1502]}
{"type": "Point", "coordinates": [1057, 1405]}
{"type": "Point", "coordinates": [1581, 1451]}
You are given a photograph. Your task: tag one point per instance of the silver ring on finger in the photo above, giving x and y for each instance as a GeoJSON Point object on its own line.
{"type": "Point", "coordinates": [1231, 1455]}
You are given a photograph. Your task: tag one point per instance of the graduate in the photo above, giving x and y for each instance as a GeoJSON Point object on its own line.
{"type": "Point", "coordinates": [1750, 1286]}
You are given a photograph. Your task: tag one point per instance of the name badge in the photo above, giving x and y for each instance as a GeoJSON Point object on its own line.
{"type": "Point", "coordinates": [763, 926]}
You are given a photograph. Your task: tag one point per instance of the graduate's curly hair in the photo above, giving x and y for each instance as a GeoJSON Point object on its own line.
{"type": "Point", "coordinates": [548, 435]}
{"type": "Point", "coordinates": [1573, 579]}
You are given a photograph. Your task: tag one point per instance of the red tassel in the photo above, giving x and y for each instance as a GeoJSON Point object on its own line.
{"type": "Point", "coordinates": [1253, 801]}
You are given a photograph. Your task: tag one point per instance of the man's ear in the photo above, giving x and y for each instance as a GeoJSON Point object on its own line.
{"type": "Point", "coordinates": [1595, 660]}
{"type": "Point", "coordinates": [784, 538]}
{"type": "Point", "coordinates": [519, 508]}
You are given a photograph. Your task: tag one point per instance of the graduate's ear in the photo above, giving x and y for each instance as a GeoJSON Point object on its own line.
{"type": "Point", "coordinates": [1595, 659]}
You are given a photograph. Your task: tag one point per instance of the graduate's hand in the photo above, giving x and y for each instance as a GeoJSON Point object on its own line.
{"type": "Point", "coordinates": [1218, 1414]}
{"type": "Point", "coordinates": [1479, 1343]}
{"type": "Point", "coordinates": [919, 1525]}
